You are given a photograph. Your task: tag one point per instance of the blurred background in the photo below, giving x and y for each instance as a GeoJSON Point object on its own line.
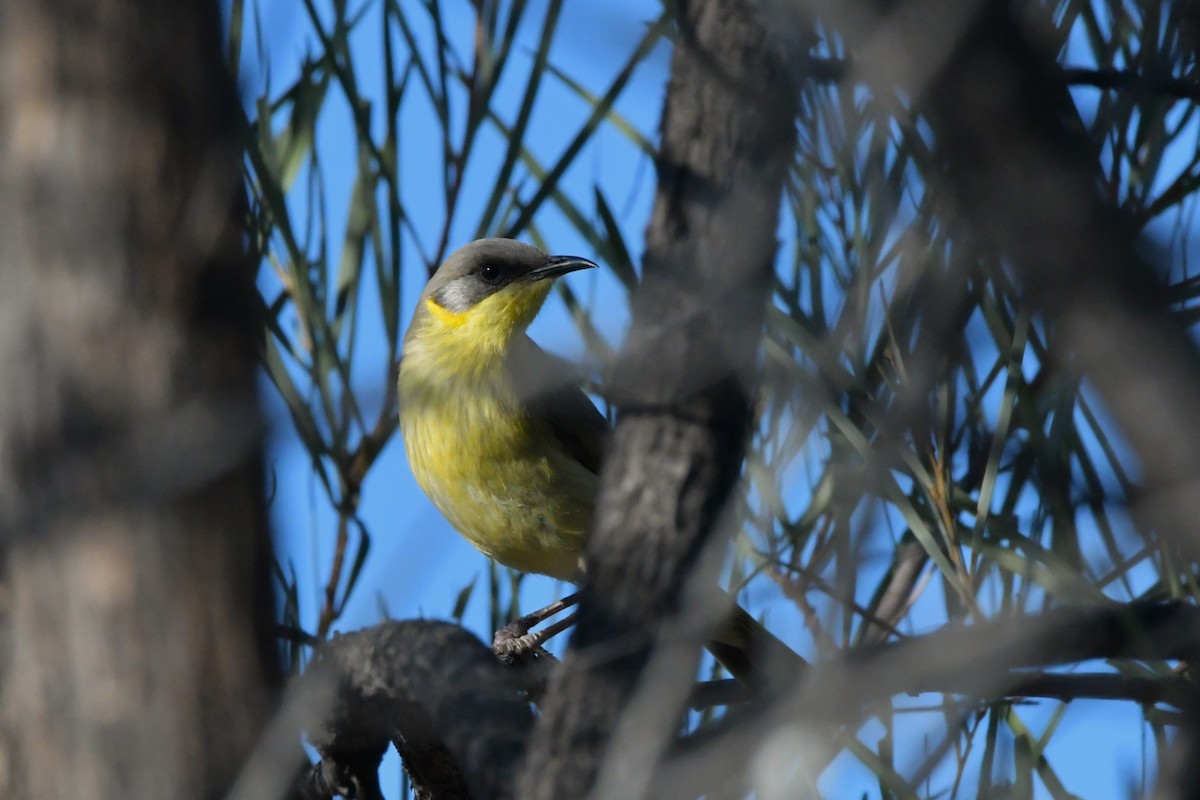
{"type": "Point", "coordinates": [926, 450]}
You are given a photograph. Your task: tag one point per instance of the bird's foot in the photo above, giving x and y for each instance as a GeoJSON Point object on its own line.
{"type": "Point", "coordinates": [515, 642]}
{"type": "Point", "coordinates": [516, 647]}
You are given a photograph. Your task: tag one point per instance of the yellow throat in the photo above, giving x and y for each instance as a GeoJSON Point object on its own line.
{"type": "Point", "coordinates": [479, 443]}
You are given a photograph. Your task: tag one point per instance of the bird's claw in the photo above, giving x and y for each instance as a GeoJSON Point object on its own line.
{"type": "Point", "coordinates": [514, 641]}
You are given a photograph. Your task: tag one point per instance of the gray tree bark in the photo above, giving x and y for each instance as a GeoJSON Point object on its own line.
{"type": "Point", "coordinates": [134, 547]}
{"type": "Point", "coordinates": [431, 689]}
{"type": "Point", "coordinates": [683, 386]}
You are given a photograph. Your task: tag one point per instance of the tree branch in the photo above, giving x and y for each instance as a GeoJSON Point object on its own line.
{"type": "Point", "coordinates": [1020, 171]}
{"type": "Point", "coordinates": [460, 724]}
{"type": "Point", "coordinates": [1017, 167]}
{"type": "Point", "coordinates": [1066, 687]}
{"type": "Point", "coordinates": [433, 690]}
{"type": "Point", "coordinates": [1179, 88]}
{"type": "Point", "coordinates": [836, 70]}
{"type": "Point", "coordinates": [981, 661]}
{"type": "Point", "coordinates": [682, 385]}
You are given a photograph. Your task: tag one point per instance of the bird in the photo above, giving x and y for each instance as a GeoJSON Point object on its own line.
{"type": "Point", "coordinates": [499, 434]}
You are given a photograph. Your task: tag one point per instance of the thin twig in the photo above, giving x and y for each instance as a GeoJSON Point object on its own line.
{"type": "Point", "coordinates": [329, 611]}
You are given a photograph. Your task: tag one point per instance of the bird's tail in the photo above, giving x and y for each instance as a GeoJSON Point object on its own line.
{"type": "Point", "coordinates": [751, 653]}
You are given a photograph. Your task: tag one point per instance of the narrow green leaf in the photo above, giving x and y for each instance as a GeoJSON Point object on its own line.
{"type": "Point", "coordinates": [616, 253]}
{"type": "Point", "coordinates": [612, 116]}
{"type": "Point", "coordinates": [516, 138]}
{"type": "Point", "coordinates": [653, 34]}
{"type": "Point", "coordinates": [462, 599]}
{"type": "Point", "coordinates": [360, 558]}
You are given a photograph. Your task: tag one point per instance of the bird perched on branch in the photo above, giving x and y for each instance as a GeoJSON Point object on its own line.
{"type": "Point", "coordinates": [500, 436]}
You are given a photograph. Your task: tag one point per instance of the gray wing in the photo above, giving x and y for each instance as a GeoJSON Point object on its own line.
{"type": "Point", "coordinates": [550, 390]}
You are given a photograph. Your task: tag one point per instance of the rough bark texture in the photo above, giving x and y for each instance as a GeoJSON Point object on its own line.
{"type": "Point", "coordinates": [435, 691]}
{"type": "Point", "coordinates": [131, 511]}
{"type": "Point", "coordinates": [683, 383]}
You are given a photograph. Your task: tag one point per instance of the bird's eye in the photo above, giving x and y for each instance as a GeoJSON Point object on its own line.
{"type": "Point", "coordinates": [490, 273]}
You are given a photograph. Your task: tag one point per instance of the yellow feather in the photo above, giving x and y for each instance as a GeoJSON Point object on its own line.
{"type": "Point", "coordinates": [498, 469]}
{"type": "Point", "coordinates": [496, 472]}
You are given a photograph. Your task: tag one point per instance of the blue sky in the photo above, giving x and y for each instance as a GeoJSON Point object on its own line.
{"type": "Point", "coordinates": [423, 572]}
{"type": "Point", "coordinates": [418, 564]}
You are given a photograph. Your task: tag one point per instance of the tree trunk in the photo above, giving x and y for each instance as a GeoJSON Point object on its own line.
{"type": "Point", "coordinates": [131, 510]}
{"type": "Point", "coordinates": [684, 385]}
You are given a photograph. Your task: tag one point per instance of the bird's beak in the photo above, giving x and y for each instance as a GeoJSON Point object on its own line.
{"type": "Point", "coordinates": [559, 265]}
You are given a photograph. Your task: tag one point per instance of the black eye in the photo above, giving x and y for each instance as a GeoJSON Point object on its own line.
{"type": "Point", "coordinates": [490, 273]}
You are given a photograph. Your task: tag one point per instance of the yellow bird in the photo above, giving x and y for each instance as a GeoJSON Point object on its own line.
{"type": "Point", "coordinates": [498, 433]}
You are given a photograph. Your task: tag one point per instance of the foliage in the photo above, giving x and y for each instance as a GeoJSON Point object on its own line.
{"type": "Point", "coordinates": [925, 452]}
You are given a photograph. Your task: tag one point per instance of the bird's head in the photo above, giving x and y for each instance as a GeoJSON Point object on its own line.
{"type": "Point", "coordinates": [488, 291]}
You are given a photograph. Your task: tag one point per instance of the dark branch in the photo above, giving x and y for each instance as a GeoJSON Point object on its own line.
{"type": "Point", "coordinates": [1018, 169]}
{"type": "Point", "coordinates": [836, 70]}
{"type": "Point", "coordinates": [682, 385]}
{"type": "Point", "coordinates": [1172, 690]}
{"type": "Point", "coordinates": [433, 690]}
{"type": "Point", "coordinates": [460, 723]}
{"type": "Point", "coordinates": [982, 661]}
{"type": "Point", "coordinates": [1066, 687]}
{"type": "Point", "coordinates": [1179, 88]}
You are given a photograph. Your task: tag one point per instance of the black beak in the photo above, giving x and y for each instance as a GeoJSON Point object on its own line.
{"type": "Point", "coordinates": [559, 265]}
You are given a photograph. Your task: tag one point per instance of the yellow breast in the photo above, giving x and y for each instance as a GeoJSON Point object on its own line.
{"type": "Point", "coordinates": [493, 469]}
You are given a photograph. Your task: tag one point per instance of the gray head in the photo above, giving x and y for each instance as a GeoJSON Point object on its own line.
{"type": "Point", "coordinates": [486, 267]}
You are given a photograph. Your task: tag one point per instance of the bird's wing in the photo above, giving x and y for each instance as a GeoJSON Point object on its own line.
{"type": "Point", "coordinates": [551, 392]}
